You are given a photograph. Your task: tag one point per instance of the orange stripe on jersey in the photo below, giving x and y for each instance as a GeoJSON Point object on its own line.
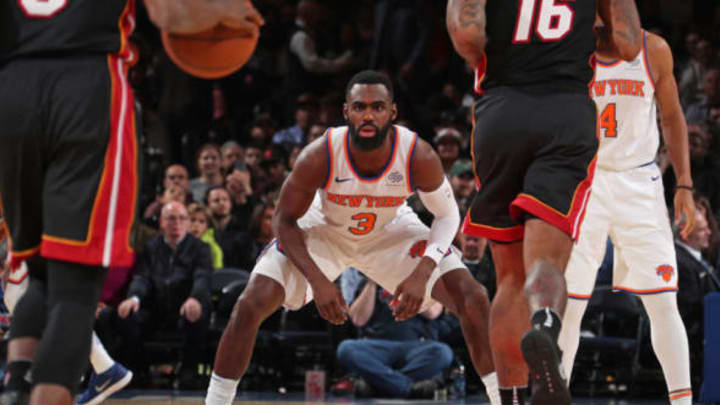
{"type": "Point", "coordinates": [512, 234]}
{"type": "Point", "coordinates": [388, 165]}
{"type": "Point", "coordinates": [644, 292]}
{"type": "Point", "coordinates": [608, 64]}
{"type": "Point", "coordinates": [682, 394]}
{"type": "Point", "coordinates": [582, 297]}
{"type": "Point", "coordinates": [126, 24]}
{"type": "Point", "coordinates": [330, 159]}
{"type": "Point", "coordinates": [408, 174]}
{"type": "Point", "coordinates": [480, 71]}
{"type": "Point", "coordinates": [646, 59]}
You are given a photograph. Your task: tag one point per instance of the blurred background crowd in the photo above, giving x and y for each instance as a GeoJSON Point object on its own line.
{"type": "Point", "coordinates": [219, 150]}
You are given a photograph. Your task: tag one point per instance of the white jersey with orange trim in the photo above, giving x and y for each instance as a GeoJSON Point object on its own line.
{"type": "Point", "coordinates": [625, 96]}
{"type": "Point", "coordinates": [353, 206]}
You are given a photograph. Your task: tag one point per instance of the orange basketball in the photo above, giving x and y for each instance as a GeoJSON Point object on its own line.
{"type": "Point", "coordinates": [210, 54]}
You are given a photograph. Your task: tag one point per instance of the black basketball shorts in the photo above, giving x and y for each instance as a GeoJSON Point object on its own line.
{"type": "Point", "coordinates": [68, 158]}
{"type": "Point", "coordinates": [533, 154]}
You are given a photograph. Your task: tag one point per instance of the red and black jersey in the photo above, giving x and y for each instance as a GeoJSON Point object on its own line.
{"type": "Point", "coordinates": [62, 27]}
{"type": "Point", "coordinates": [537, 42]}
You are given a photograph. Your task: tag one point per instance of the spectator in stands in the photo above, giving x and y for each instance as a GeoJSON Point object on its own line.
{"type": "Point", "coordinates": [209, 165]}
{"type": "Point", "coordinates": [232, 152]}
{"type": "Point", "coordinates": [692, 76]}
{"type": "Point", "coordinates": [261, 226]}
{"type": "Point", "coordinates": [396, 359]}
{"type": "Point", "coordinates": [478, 258]}
{"type": "Point", "coordinates": [170, 290]}
{"type": "Point", "coordinates": [202, 226]}
{"type": "Point", "coordinates": [316, 131]}
{"type": "Point", "coordinates": [305, 114]}
{"type": "Point", "coordinates": [705, 165]}
{"type": "Point", "coordinates": [309, 65]}
{"type": "Point", "coordinates": [253, 154]}
{"type": "Point", "coordinates": [231, 231]}
{"type": "Point", "coordinates": [448, 144]}
{"type": "Point", "coordinates": [273, 164]}
{"type": "Point", "coordinates": [712, 252]}
{"type": "Point", "coordinates": [700, 111]}
{"type": "Point", "coordinates": [696, 277]}
{"type": "Point", "coordinates": [175, 176]}
{"type": "Point", "coordinates": [462, 180]}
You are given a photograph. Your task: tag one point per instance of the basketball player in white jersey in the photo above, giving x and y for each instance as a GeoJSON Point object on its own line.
{"type": "Point", "coordinates": [627, 204]}
{"type": "Point", "coordinates": [343, 206]}
{"type": "Point", "coordinates": [108, 375]}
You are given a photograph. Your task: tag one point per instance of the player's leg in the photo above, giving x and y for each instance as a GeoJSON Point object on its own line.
{"type": "Point", "coordinates": [261, 298]}
{"type": "Point", "coordinates": [73, 291]}
{"type": "Point", "coordinates": [581, 270]}
{"type": "Point", "coordinates": [464, 296]}
{"type": "Point", "coordinates": [107, 375]}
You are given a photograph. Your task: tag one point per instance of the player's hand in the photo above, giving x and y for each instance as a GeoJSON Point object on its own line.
{"type": "Point", "coordinates": [684, 211]}
{"type": "Point", "coordinates": [243, 15]}
{"type": "Point", "coordinates": [410, 294]}
{"type": "Point", "coordinates": [330, 302]}
{"type": "Point", "coordinates": [191, 309]}
{"type": "Point", "coordinates": [127, 307]}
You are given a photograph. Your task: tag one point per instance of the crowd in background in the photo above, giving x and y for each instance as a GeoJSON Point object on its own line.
{"type": "Point", "coordinates": [219, 150]}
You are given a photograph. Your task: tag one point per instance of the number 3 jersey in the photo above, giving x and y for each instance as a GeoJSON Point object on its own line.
{"type": "Point", "coordinates": [357, 207]}
{"type": "Point", "coordinates": [62, 27]}
{"type": "Point", "coordinates": [625, 96]}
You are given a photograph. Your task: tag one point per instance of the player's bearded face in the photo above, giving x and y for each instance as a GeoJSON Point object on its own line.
{"type": "Point", "coordinates": [364, 142]}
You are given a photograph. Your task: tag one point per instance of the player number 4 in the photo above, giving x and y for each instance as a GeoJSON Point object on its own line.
{"type": "Point", "coordinates": [608, 121]}
{"type": "Point", "coordinates": [554, 21]}
{"type": "Point", "coordinates": [42, 8]}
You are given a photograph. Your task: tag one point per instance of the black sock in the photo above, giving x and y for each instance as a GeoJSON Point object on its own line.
{"type": "Point", "coordinates": [17, 377]}
{"type": "Point", "coordinates": [547, 320]}
{"type": "Point", "coordinates": [512, 396]}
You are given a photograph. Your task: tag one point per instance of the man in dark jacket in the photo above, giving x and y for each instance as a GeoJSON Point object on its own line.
{"type": "Point", "coordinates": [170, 289]}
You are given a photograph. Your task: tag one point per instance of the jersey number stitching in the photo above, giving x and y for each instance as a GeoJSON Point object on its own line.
{"type": "Point", "coordinates": [608, 122]}
{"type": "Point", "coordinates": [554, 21]}
{"type": "Point", "coordinates": [41, 8]}
{"type": "Point", "coordinates": [366, 223]}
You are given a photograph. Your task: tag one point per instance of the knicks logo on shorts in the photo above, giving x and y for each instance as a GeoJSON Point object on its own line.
{"type": "Point", "coordinates": [665, 271]}
{"type": "Point", "coordinates": [418, 249]}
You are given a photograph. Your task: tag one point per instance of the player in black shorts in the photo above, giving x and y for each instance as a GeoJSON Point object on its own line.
{"type": "Point", "coordinates": [534, 146]}
{"type": "Point", "coordinates": [67, 167]}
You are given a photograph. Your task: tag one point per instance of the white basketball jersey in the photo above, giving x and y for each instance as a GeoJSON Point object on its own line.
{"type": "Point", "coordinates": [625, 96]}
{"type": "Point", "coordinates": [357, 207]}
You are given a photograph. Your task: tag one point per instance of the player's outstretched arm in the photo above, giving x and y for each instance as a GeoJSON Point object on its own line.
{"type": "Point", "coordinates": [188, 16]}
{"type": "Point", "coordinates": [296, 195]}
{"type": "Point", "coordinates": [674, 127]}
{"type": "Point", "coordinates": [465, 22]}
{"type": "Point", "coordinates": [436, 194]}
{"type": "Point", "coordinates": [621, 34]}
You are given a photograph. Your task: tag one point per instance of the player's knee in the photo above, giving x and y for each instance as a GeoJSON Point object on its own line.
{"type": "Point", "coordinates": [475, 303]}
{"type": "Point", "coordinates": [250, 309]}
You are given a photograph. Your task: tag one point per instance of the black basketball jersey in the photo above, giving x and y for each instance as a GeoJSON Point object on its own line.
{"type": "Point", "coordinates": [61, 27]}
{"type": "Point", "coordinates": [533, 42]}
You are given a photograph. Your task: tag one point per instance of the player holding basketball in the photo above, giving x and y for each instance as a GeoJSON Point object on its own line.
{"type": "Point", "coordinates": [534, 147]}
{"type": "Point", "coordinates": [67, 167]}
{"type": "Point", "coordinates": [343, 206]}
{"type": "Point", "coordinates": [628, 204]}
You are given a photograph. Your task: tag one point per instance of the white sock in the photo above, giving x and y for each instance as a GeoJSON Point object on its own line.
{"type": "Point", "coordinates": [669, 341]}
{"type": "Point", "coordinates": [491, 387]}
{"type": "Point", "coordinates": [99, 357]}
{"type": "Point", "coordinates": [221, 390]}
{"type": "Point", "coordinates": [569, 338]}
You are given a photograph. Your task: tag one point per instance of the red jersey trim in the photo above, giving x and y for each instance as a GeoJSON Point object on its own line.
{"type": "Point", "coordinates": [512, 234]}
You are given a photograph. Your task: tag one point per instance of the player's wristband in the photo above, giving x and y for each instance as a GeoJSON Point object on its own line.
{"type": "Point", "coordinates": [435, 252]}
{"type": "Point", "coordinates": [681, 187]}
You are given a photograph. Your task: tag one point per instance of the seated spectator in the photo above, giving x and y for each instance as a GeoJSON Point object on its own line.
{"type": "Point", "coordinates": [231, 231]}
{"type": "Point", "coordinates": [261, 226]}
{"type": "Point", "coordinates": [700, 111]}
{"type": "Point", "coordinates": [448, 145]}
{"type": "Point", "coordinates": [696, 277]}
{"type": "Point", "coordinates": [462, 179]}
{"type": "Point", "coordinates": [175, 175]}
{"type": "Point", "coordinates": [305, 115]}
{"type": "Point", "coordinates": [202, 226]}
{"type": "Point", "coordinates": [208, 160]}
{"type": "Point", "coordinates": [239, 183]}
{"type": "Point", "coordinates": [691, 83]}
{"type": "Point", "coordinates": [232, 152]}
{"type": "Point", "coordinates": [396, 359]}
{"type": "Point", "coordinates": [273, 164]}
{"type": "Point", "coordinates": [316, 131]}
{"type": "Point", "coordinates": [170, 290]}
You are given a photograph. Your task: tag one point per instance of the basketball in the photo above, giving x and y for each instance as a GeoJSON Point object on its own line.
{"type": "Point", "coordinates": [210, 54]}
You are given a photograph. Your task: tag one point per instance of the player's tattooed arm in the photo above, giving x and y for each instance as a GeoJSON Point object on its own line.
{"type": "Point", "coordinates": [188, 16]}
{"type": "Point", "coordinates": [621, 34]}
{"type": "Point", "coordinates": [466, 22]}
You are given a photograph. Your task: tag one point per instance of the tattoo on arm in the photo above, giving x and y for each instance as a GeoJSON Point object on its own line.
{"type": "Point", "coordinates": [623, 12]}
{"type": "Point", "coordinates": [472, 12]}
